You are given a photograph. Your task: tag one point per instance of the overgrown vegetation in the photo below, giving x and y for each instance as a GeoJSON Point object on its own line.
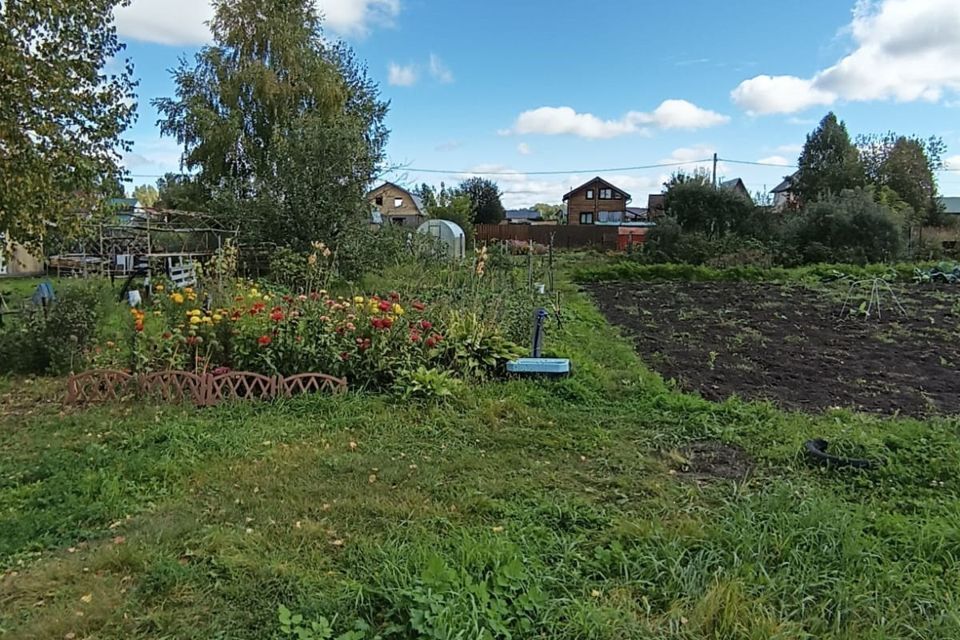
{"type": "Point", "coordinates": [518, 509]}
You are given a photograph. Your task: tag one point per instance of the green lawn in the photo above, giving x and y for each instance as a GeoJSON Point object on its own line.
{"type": "Point", "coordinates": [524, 509]}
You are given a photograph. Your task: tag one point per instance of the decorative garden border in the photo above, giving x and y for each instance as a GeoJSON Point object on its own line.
{"type": "Point", "coordinates": [203, 390]}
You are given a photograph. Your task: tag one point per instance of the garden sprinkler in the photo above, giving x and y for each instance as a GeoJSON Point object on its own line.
{"type": "Point", "coordinates": [537, 365]}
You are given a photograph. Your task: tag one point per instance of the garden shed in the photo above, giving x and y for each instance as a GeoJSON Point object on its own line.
{"type": "Point", "coordinates": [450, 236]}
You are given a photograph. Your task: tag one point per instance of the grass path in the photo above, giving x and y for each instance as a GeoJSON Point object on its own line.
{"type": "Point", "coordinates": [535, 509]}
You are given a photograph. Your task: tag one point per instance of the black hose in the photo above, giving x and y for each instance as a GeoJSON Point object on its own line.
{"type": "Point", "coordinates": [816, 451]}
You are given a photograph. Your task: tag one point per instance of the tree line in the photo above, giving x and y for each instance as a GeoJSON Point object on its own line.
{"type": "Point", "coordinates": [862, 200]}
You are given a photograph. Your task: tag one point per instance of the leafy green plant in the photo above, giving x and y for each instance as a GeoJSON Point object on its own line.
{"type": "Point", "coordinates": [427, 384]}
{"type": "Point", "coordinates": [501, 601]}
{"type": "Point", "coordinates": [294, 624]}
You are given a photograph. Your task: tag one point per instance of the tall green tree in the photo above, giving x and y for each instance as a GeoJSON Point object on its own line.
{"type": "Point", "coordinates": [484, 195]}
{"type": "Point", "coordinates": [182, 193]}
{"type": "Point", "coordinates": [908, 166]}
{"type": "Point", "coordinates": [66, 99]}
{"type": "Point", "coordinates": [829, 162]}
{"type": "Point", "coordinates": [283, 128]}
{"type": "Point", "coordinates": [548, 211]}
{"type": "Point", "coordinates": [147, 195]}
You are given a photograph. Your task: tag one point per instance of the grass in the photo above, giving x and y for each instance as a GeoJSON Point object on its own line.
{"type": "Point", "coordinates": [423, 520]}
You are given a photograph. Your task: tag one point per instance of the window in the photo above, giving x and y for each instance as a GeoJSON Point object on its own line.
{"type": "Point", "coordinates": [397, 221]}
{"type": "Point", "coordinates": [397, 203]}
{"type": "Point", "coordinates": [589, 194]}
{"type": "Point", "coordinates": [606, 194]}
{"type": "Point", "coordinates": [616, 195]}
{"type": "Point", "coordinates": [586, 217]}
{"type": "Point", "coordinates": [610, 217]}
{"type": "Point", "coordinates": [379, 201]}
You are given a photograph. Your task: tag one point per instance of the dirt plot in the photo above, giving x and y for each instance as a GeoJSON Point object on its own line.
{"type": "Point", "coordinates": [792, 345]}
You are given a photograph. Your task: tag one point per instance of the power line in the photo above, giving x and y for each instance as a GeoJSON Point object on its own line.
{"type": "Point", "coordinates": [759, 164]}
{"type": "Point", "coordinates": [548, 173]}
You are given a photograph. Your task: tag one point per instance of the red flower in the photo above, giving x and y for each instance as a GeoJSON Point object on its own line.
{"type": "Point", "coordinates": [167, 335]}
{"type": "Point", "coordinates": [415, 336]}
{"type": "Point", "coordinates": [394, 296]}
{"type": "Point", "coordinates": [238, 299]}
{"type": "Point", "coordinates": [344, 356]}
{"type": "Point", "coordinates": [138, 326]}
{"type": "Point", "coordinates": [387, 323]}
{"type": "Point", "coordinates": [419, 306]}
{"type": "Point", "coordinates": [426, 325]}
{"type": "Point", "coordinates": [377, 323]}
{"type": "Point", "coordinates": [287, 299]}
{"type": "Point", "coordinates": [385, 306]}
{"type": "Point", "coordinates": [431, 342]}
{"type": "Point", "coordinates": [277, 315]}
{"type": "Point", "coordinates": [265, 341]}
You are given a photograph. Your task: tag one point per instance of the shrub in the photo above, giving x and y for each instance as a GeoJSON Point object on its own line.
{"type": "Point", "coordinates": [58, 340]}
{"type": "Point", "coordinates": [851, 227]}
{"type": "Point", "coordinates": [703, 209]}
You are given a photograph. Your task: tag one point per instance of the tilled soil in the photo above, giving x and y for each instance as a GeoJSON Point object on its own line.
{"type": "Point", "coordinates": [796, 346]}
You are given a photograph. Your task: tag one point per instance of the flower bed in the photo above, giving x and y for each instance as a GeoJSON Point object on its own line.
{"type": "Point", "coordinates": [370, 340]}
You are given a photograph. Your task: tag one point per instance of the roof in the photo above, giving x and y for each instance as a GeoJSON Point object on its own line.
{"type": "Point", "coordinates": [951, 204]}
{"type": "Point", "coordinates": [730, 185]}
{"type": "Point", "coordinates": [637, 213]}
{"type": "Point", "coordinates": [417, 202]}
{"type": "Point", "coordinates": [626, 196]}
{"type": "Point", "coordinates": [522, 214]}
{"type": "Point", "coordinates": [786, 185]}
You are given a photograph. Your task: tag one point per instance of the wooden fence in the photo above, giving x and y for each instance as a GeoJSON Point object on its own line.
{"type": "Point", "coordinates": [563, 236]}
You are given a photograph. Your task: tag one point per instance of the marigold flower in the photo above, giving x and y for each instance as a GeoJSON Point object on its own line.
{"type": "Point", "coordinates": [195, 320]}
{"type": "Point", "coordinates": [264, 340]}
{"type": "Point", "coordinates": [176, 298]}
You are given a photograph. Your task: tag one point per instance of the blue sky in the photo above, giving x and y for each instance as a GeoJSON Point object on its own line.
{"type": "Point", "coordinates": [515, 87]}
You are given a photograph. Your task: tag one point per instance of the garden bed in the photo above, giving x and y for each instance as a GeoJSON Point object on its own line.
{"type": "Point", "coordinates": [795, 345]}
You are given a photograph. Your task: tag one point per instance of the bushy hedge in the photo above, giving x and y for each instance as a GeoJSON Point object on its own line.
{"type": "Point", "coordinates": [850, 228]}
{"type": "Point", "coordinates": [54, 340]}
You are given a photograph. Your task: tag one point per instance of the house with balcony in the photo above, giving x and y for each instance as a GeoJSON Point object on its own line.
{"type": "Point", "coordinates": [597, 202]}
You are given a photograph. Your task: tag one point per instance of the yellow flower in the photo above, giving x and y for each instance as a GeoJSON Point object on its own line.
{"type": "Point", "coordinates": [207, 320]}
{"type": "Point", "coordinates": [397, 309]}
{"type": "Point", "coordinates": [191, 297]}
{"type": "Point", "coordinates": [188, 289]}
{"type": "Point", "coordinates": [217, 317]}
{"type": "Point", "coordinates": [194, 312]}
{"type": "Point", "coordinates": [177, 298]}
{"type": "Point", "coordinates": [194, 320]}
{"type": "Point", "coordinates": [159, 287]}
{"type": "Point", "coordinates": [266, 298]}
{"type": "Point", "coordinates": [158, 313]}
{"type": "Point", "coordinates": [358, 299]}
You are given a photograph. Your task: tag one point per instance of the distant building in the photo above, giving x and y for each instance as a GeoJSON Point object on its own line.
{"type": "Point", "coordinates": [17, 260]}
{"type": "Point", "coordinates": [951, 204]}
{"type": "Point", "coordinates": [521, 216]}
{"type": "Point", "coordinates": [393, 204]}
{"type": "Point", "coordinates": [785, 195]}
{"type": "Point", "coordinates": [656, 205]}
{"type": "Point", "coordinates": [125, 209]}
{"type": "Point", "coordinates": [736, 186]}
{"type": "Point", "coordinates": [596, 202]}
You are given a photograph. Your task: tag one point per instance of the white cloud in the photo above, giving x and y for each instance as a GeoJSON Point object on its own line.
{"type": "Point", "coordinates": [402, 75]}
{"type": "Point", "coordinates": [777, 160]}
{"type": "Point", "coordinates": [789, 148]}
{"type": "Point", "coordinates": [904, 50]}
{"type": "Point", "coordinates": [152, 156]}
{"type": "Point", "coordinates": [564, 120]}
{"type": "Point", "coordinates": [171, 22]}
{"type": "Point", "coordinates": [779, 94]}
{"type": "Point", "coordinates": [681, 114]}
{"type": "Point", "coordinates": [183, 22]}
{"type": "Point", "coordinates": [524, 149]}
{"type": "Point", "coordinates": [439, 70]}
{"type": "Point", "coordinates": [671, 114]}
{"type": "Point", "coordinates": [952, 163]}
{"type": "Point", "coordinates": [802, 122]}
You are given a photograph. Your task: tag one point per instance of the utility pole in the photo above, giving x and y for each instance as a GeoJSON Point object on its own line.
{"type": "Point", "coordinates": [714, 170]}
